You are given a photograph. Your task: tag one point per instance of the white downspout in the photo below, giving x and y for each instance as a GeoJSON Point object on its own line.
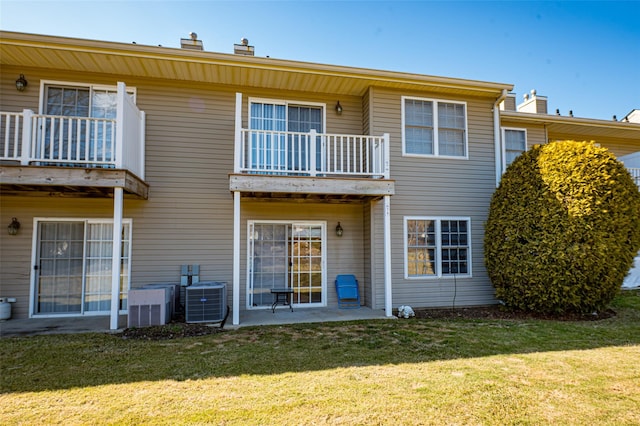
{"type": "Point", "coordinates": [497, 136]}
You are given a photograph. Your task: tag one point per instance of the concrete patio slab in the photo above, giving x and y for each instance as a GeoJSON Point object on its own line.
{"type": "Point", "coordinates": [100, 324]}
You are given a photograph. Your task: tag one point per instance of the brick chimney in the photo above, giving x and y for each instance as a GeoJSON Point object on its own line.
{"type": "Point", "coordinates": [533, 104]}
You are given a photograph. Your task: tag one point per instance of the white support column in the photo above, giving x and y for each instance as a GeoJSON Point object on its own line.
{"type": "Point", "coordinates": [237, 152]}
{"type": "Point", "coordinates": [387, 150]}
{"type": "Point", "coordinates": [312, 152]}
{"type": "Point", "coordinates": [27, 143]}
{"type": "Point", "coordinates": [119, 136]}
{"type": "Point", "coordinates": [388, 302]}
{"type": "Point", "coordinates": [115, 256]}
{"type": "Point", "coordinates": [236, 258]}
{"type": "Point", "coordinates": [143, 148]}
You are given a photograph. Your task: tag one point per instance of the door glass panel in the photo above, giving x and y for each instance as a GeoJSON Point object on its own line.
{"type": "Point", "coordinates": [268, 143]}
{"type": "Point", "coordinates": [306, 263]}
{"type": "Point", "coordinates": [99, 266]}
{"type": "Point", "coordinates": [59, 288]}
{"type": "Point", "coordinates": [304, 119]}
{"type": "Point", "coordinates": [269, 261]}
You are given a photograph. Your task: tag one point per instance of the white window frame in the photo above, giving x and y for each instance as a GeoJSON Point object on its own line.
{"type": "Point", "coordinates": [288, 103]}
{"type": "Point", "coordinates": [34, 259]}
{"type": "Point", "coordinates": [438, 231]}
{"type": "Point", "coordinates": [249, 276]}
{"type": "Point", "coordinates": [70, 84]}
{"type": "Point", "coordinates": [436, 142]}
{"type": "Point", "coordinates": [503, 131]}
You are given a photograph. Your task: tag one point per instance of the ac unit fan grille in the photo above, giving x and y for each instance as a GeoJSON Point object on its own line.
{"type": "Point", "coordinates": [205, 303]}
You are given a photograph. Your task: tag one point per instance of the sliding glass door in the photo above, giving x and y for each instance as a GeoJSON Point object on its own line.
{"type": "Point", "coordinates": [73, 267]}
{"type": "Point", "coordinates": [286, 254]}
{"type": "Point", "coordinates": [272, 148]}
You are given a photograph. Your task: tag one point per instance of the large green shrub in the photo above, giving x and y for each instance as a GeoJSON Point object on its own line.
{"type": "Point", "coordinates": [563, 229]}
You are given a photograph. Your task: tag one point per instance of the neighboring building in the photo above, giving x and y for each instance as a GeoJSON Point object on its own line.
{"type": "Point", "coordinates": [246, 166]}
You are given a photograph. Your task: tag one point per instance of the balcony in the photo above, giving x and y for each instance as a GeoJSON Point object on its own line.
{"type": "Point", "coordinates": [278, 164]}
{"type": "Point", "coordinates": [65, 154]}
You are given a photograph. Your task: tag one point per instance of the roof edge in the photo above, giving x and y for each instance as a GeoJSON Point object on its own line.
{"type": "Point", "coordinates": [178, 54]}
{"type": "Point", "coordinates": [560, 119]}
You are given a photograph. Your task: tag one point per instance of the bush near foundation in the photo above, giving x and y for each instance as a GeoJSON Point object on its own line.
{"type": "Point", "coordinates": [563, 229]}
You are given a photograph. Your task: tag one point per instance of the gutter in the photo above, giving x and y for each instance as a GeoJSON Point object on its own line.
{"type": "Point", "coordinates": [496, 135]}
{"type": "Point", "coordinates": [139, 52]}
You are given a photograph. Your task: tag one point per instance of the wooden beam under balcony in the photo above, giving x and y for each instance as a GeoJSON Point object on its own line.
{"type": "Point", "coordinates": [345, 189]}
{"type": "Point", "coordinates": [69, 182]}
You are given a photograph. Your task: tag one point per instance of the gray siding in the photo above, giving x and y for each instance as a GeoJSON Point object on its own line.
{"type": "Point", "coordinates": [345, 255]}
{"type": "Point", "coordinates": [188, 218]}
{"type": "Point", "coordinates": [438, 187]}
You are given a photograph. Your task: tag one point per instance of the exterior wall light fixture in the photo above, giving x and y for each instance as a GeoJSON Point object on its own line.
{"type": "Point", "coordinates": [13, 226]}
{"type": "Point", "coordinates": [339, 230]}
{"type": "Point", "coordinates": [338, 108]}
{"type": "Point", "coordinates": [21, 83]}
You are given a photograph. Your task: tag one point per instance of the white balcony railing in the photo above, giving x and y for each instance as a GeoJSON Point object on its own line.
{"type": "Point", "coordinates": [39, 139]}
{"type": "Point", "coordinates": [312, 154]}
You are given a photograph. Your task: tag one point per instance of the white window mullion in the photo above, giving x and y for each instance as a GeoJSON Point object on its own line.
{"type": "Point", "coordinates": [436, 129]}
{"type": "Point", "coordinates": [84, 266]}
{"type": "Point", "coordinates": [438, 262]}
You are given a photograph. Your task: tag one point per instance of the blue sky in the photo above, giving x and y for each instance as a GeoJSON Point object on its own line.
{"type": "Point", "coordinates": [584, 56]}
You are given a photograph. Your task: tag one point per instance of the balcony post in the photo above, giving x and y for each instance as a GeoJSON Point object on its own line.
{"type": "Point", "coordinates": [142, 136]}
{"type": "Point", "coordinates": [118, 149]}
{"type": "Point", "coordinates": [312, 152]}
{"type": "Point", "coordinates": [27, 143]}
{"type": "Point", "coordinates": [237, 152]}
{"type": "Point", "coordinates": [388, 285]}
{"type": "Point", "coordinates": [236, 258]}
{"type": "Point", "coordinates": [385, 160]}
{"type": "Point", "coordinates": [116, 255]}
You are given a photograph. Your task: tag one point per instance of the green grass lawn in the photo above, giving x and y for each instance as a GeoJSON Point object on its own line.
{"type": "Point", "coordinates": [400, 372]}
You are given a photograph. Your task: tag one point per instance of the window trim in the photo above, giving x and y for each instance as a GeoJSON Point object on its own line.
{"type": "Point", "coordinates": [504, 143]}
{"type": "Point", "coordinates": [438, 231]}
{"type": "Point", "coordinates": [35, 256]}
{"type": "Point", "coordinates": [71, 84]}
{"type": "Point", "coordinates": [436, 127]}
{"type": "Point", "coordinates": [249, 259]}
{"type": "Point", "coordinates": [287, 103]}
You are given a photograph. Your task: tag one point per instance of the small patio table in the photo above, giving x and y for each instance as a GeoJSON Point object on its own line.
{"type": "Point", "coordinates": [282, 296]}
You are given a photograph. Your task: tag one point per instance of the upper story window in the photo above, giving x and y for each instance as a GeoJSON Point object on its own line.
{"type": "Point", "coordinates": [434, 128]}
{"type": "Point", "coordinates": [437, 247]}
{"type": "Point", "coordinates": [277, 145]}
{"type": "Point", "coordinates": [284, 116]}
{"type": "Point", "coordinates": [78, 100]}
{"type": "Point", "coordinates": [514, 143]}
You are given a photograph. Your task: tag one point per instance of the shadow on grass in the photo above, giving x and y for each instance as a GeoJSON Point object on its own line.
{"type": "Point", "coordinates": [67, 361]}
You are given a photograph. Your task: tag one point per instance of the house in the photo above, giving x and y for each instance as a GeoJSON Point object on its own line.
{"type": "Point", "coordinates": [264, 172]}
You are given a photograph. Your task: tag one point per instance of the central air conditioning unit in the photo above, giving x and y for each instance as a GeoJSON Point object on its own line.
{"type": "Point", "coordinates": [174, 289]}
{"type": "Point", "coordinates": [149, 306]}
{"type": "Point", "coordinates": [206, 302]}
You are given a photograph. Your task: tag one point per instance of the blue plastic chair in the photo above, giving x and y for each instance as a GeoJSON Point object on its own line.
{"type": "Point", "coordinates": [348, 292]}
